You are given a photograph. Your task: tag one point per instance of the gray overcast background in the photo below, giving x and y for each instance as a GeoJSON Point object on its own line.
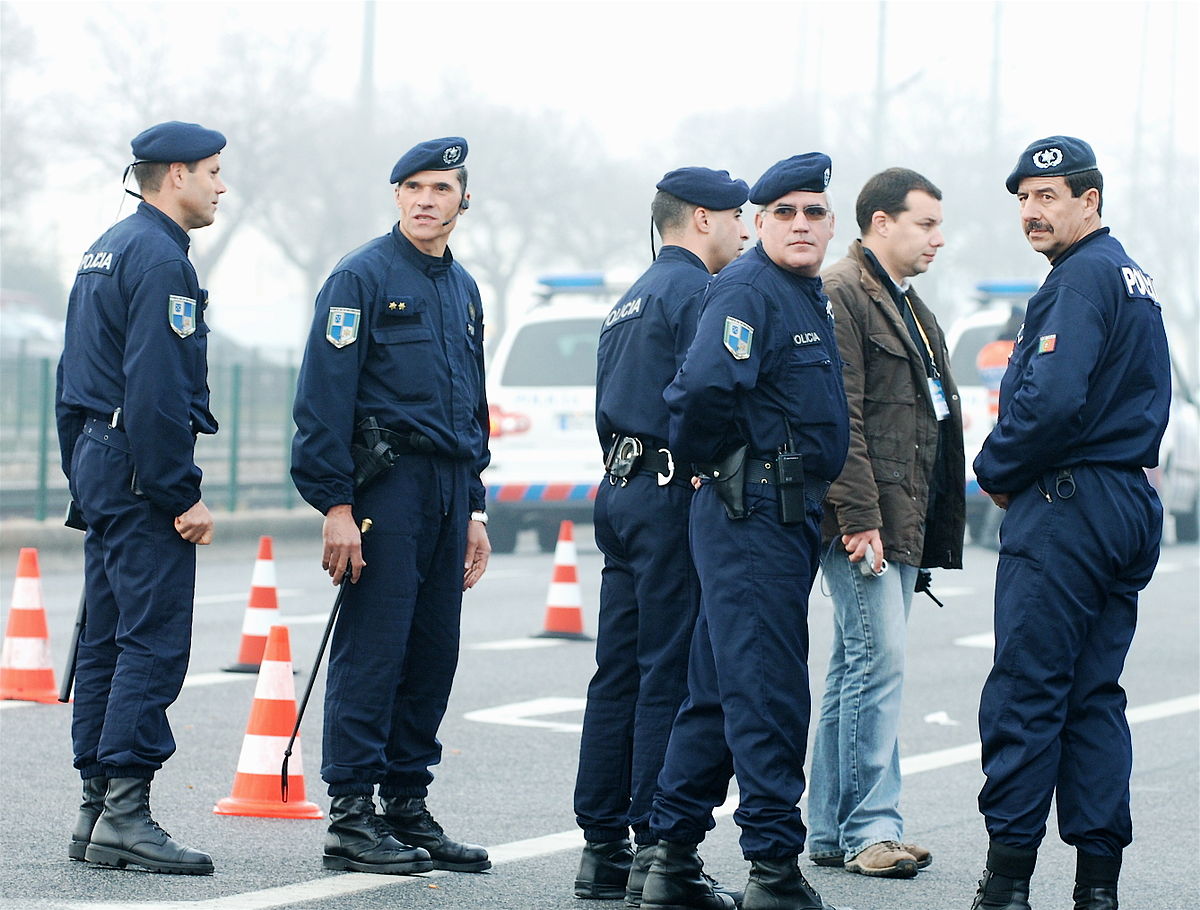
{"type": "Point", "coordinates": [573, 110]}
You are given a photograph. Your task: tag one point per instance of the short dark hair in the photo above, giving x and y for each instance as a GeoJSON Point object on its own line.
{"type": "Point", "coordinates": [1085, 180]}
{"type": "Point", "coordinates": [887, 191]}
{"type": "Point", "coordinates": [462, 179]}
{"type": "Point", "coordinates": [669, 212]}
{"type": "Point", "coordinates": [150, 174]}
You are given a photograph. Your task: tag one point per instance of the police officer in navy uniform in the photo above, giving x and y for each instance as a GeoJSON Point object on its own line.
{"type": "Point", "coordinates": [648, 592]}
{"type": "Point", "coordinates": [759, 406]}
{"type": "Point", "coordinates": [1083, 406]}
{"type": "Point", "coordinates": [394, 365]}
{"type": "Point", "coordinates": [132, 394]}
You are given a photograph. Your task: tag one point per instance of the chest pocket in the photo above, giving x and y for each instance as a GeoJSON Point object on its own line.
{"type": "Point", "coordinates": [889, 371]}
{"type": "Point", "coordinates": [813, 383]}
{"type": "Point", "coordinates": [403, 343]}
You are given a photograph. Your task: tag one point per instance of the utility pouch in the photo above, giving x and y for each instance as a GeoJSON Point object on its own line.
{"type": "Point", "coordinates": [371, 452]}
{"type": "Point", "coordinates": [728, 476]}
{"type": "Point", "coordinates": [789, 486]}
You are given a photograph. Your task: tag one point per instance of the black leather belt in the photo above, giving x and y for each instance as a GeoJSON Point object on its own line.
{"type": "Point", "coordinates": [631, 454]}
{"type": "Point", "coordinates": [99, 429]}
{"type": "Point", "coordinates": [758, 471]}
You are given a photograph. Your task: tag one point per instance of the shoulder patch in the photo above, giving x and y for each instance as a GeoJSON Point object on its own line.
{"type": "Point", "coordinates": [1047, 343]}
{"type": "Point", "coordinates": [342, 327]}
{"type": "Point", "coordinates": [1137, 283]}
{"type": "Point", "coordinates": [738, 338]}
{"type": "Point", "coordinates": [626, 309]}
{"type": "Point", "coordinates": [181, 315]}
{"type": "Point", "coordinates": [98, 261]}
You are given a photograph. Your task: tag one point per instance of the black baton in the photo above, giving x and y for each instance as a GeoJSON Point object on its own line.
{"type": "Point", "coordinates": [64, 692]}
{"type": "Point", "coordinates": [312, 677]}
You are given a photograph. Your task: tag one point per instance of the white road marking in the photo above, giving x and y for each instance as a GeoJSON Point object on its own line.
{"type": "Point", "coordinates": [982, 640]}
{"type": "Point", "coordinates": [521, 714]}
{"type": "Point", "coordinates": [941, 718]}
{"type": "Point", "coordinates": [516, 644]}
{"type": "Point", "coordinates": [335, 885]}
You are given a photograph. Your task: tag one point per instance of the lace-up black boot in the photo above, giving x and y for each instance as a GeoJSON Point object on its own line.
{"type": "Point", "coordinates": [1005, 882]}
{"type": "Point", "coordinates": [676, 881]}
{"type": "Point", "coordinates": [410, 822]}
{"type": "Point", "coordinates": [126, 835]}
{"type": "Point", "coordinates": [604, 870]}
{"type": "Point", "coordinates": [778, 884]}
{"type": "Point", "coordinates": [359, 841]}
{"type": "Point", "coordinates": [94, 789]}
{"type": "Point", "coordinates": [643, 860]}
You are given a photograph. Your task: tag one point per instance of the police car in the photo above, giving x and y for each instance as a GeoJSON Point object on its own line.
{"type": "Point", "coordinates": [1177, 477]}
{"type": "Point", "coordinates": [546, 459]}
{"type": "Point", "coordinates": [980, 344]}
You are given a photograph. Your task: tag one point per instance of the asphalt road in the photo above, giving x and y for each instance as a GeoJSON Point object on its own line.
{"type": "Point", "coordinates": [511, 739]}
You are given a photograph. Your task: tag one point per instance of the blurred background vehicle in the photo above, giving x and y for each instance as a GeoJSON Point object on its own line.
{"type": "Point", "coordinates": [1177, 477]}
{"type": "Point", "coordinates": [546, 459]}
{"type": "Point", "coordinates": [980, 344]}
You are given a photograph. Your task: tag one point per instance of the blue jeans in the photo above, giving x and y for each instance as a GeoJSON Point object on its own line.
{"type": "Point", "coordinates": [854, 784]}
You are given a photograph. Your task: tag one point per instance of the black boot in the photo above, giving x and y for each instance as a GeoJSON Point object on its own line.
{"type": "Point", "coordinates": [126, 835]}
{"type": "Point", "coordinates": [676, 881]}
{"type": "Point", "coordinates": [778, 884]}
{"type": "Point", "coordinates": [359, 841]}
{"type": "Point", "coordinates": [94, 789]}
{"type": "Point", "coordinates": [411, 823]}
{"type": "Point", "coordinates": [638, 870]}
{"type": "Point", "coordinates": [1096, 881]}
{"type": "Point", "coordinates": [1005, 882]}
{"type": "Point", "coordinates": [604, 870]}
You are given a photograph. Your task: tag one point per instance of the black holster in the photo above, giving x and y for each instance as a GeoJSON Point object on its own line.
{"type": "Point", "coordinates": [728, 477]}
{"type": "Point", "coordinates": [372, 452]}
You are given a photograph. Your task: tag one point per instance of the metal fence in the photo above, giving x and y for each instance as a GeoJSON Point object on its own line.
{"type": "Point", "coordinates": [245, 465]}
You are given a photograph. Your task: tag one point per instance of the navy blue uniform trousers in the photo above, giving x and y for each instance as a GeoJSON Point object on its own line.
{"type": "Point", "coordinates": [649, 597]}
{"type": "Point", "coordinates": [140, 578]}
{"type": "Point", "coordinates": [747, 708]}
{"type": "Point", "coordinates": [395, 647]}
{"type": "Point", "coordinates": [1052, 714]}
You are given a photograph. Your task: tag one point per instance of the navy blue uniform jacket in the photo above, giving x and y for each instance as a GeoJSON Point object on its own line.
{"type": "Point", "coordinates": [136, 340]}
{"type": "Point", "coordinates": [398, 336]}
{"type": "Point", "coordinates": [789, 381]}
{"type": "Point", "coordinates": [643, 343]}
{"type": "Point", "coordinates": [1089, 378]}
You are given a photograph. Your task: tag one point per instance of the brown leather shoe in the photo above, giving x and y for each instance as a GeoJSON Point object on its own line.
{"type": "Point", "coordinates": [886, 859]}
{"type": "Point", "coordinates": [920, 854]}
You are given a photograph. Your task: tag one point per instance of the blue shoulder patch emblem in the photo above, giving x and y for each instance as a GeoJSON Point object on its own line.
{"type": "Point", "coordinates": [342, 327]}
{"type": "Point", "coordinates": [181, 314]}
{"type": "Point", "coordinates": [738, 337]}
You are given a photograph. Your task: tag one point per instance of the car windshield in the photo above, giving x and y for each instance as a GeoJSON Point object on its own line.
{"type": "Point", "coordinates": [559, 353]}
{"type": "Point", "coordinates": [964, 364]}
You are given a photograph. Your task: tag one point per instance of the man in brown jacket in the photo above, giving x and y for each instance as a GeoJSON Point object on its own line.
{"type": "Point", "coordinates": [896, 509]}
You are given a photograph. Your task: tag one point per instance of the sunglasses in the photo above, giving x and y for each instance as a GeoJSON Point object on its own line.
{"type": "Point", "coordinates": [813, 213]}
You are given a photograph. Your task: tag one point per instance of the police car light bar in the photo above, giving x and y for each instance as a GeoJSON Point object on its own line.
{"type": "Point", "coordinates": [1006, 288]}
{"type": "Point", "coordinates": [577, 280]}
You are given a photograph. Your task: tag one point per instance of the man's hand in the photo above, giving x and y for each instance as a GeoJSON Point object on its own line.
{"type": "Point", "coordinates": [479, 548]}
{"type": "Point", "coordinates": [856, 545]}
{"type": "Point", "coordinates": [196, 524]}
{"type": "Point", "coordinates": [342, 544]}
{"type": "Point", "coordinates": [1000, 499]}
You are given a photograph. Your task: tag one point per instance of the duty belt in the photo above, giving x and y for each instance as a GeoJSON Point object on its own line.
{"type": "Point", "coordinates": [102, 430]}
{"type": "Point", "coordinates": [764, 472]}
{"type": "Point", "coordinates": [631, 455]}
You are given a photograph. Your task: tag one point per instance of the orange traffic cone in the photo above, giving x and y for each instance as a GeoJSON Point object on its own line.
{"type": "Point", "coordinates": [272, 717]}
{"type": "Point", "coordinates": [25, 671]}
{"type": "Point", "coordinates": [564, 605]}
{"type": "Point", "coordinates": [262, 611]}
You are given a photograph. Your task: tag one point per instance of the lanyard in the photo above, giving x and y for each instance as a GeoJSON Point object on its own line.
{"type": "Point", "coordinates": [932, 362]}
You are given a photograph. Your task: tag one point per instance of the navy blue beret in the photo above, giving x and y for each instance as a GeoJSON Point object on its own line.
{"type": "Point", "coordinates": [704, 187]}
{"type": "Point", "coordinates": [809, 172]}
{"type": "Point", "coordinates": [443, 154]}
{"type": "Point", "coordinates": [1055, 156]}
{"type": "Point", "coordinates": [176, 141]}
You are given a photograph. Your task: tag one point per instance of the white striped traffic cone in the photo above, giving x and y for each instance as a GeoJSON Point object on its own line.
{"type": "Point", "coordinates": [564, 604]}
{"type": "Point", "coordinates": [262, 611]}
{"type": "Point", "coordinates": [256, 788]}
{"type": "Point", "coordinates": [25, 670]}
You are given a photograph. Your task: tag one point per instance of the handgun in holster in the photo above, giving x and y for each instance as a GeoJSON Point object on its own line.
{"type": "Point", "coordinates": [728, 481]}
{"type": "Point", "coordinates": [372, 452]}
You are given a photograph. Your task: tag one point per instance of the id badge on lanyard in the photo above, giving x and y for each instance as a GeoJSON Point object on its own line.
{"type": "Point", "coordinates": [940, 408]}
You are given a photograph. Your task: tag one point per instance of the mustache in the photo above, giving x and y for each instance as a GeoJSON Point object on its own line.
{"type": "Point", "coordinates": [1038, 226]}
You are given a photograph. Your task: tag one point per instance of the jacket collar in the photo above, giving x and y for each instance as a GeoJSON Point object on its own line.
{"type": "Point", "coordinates": [154, 213]}
{"type": "Point", "coordinates": [430, 265]}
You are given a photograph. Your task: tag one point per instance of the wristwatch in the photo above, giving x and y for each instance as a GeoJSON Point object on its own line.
{"type": "Point", "coordinates": [480, 517]}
